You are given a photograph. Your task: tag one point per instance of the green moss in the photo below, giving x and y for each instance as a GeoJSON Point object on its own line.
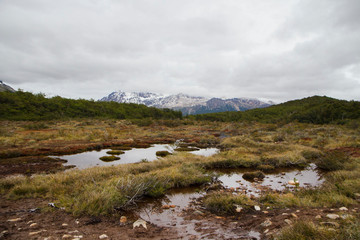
{"type": "Point", "coordinates": [162, 153]}
{"type": "Point", "coordinates": [115, 152]}
{"type": "Point", "coordinates": [109, 158]}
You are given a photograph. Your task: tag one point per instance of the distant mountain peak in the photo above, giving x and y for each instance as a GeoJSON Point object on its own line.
{"type": "Point", "coordinates": [186, 103]}
{"type": "Point", "coordinates": [5, 88]}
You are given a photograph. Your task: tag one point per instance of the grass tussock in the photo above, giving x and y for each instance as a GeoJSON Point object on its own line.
{"type": "Point", "coordinates": [225, 203]}
{"type": "Point", "coordinates": [109, 158]}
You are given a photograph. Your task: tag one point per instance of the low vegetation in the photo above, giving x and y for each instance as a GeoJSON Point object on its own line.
{"type": "Point", "coordinates": [259, 147]}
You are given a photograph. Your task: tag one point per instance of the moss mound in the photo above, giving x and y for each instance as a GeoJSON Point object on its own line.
{"type": "Point", "coordinates": [163, 153]}
{"type": "Point", "coordinates": [109, 158]}
{"type": "Point", "coordinates": [252, 175]}
{"type": "Point", "coordinates": [115, 152]}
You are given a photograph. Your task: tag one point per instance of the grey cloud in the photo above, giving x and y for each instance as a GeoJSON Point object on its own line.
{"type": "Point", "coordinates": [276, 49]}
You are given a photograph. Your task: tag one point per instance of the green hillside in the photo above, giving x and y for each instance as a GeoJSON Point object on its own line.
{"type": "Point", "coordinates": [27, 106]}
{"type": "Point", "coordinates": [316, 109]}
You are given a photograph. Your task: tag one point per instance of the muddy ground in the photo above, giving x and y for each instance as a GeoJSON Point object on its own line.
{"type": "Point", "coordinates": [35, 219]}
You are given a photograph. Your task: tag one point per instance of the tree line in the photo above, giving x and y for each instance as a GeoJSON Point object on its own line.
{"type": "Point", "coordinates": [28, 106]}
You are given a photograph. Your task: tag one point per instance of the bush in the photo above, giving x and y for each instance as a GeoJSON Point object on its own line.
{"type": "Point", "coordinates": [332, 161]}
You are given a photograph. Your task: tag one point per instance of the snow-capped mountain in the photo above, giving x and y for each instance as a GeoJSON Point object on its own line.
{"type": "Point", "coordinates": [187, 104]}
{"type": "Point", "coordinates": [5, 88]}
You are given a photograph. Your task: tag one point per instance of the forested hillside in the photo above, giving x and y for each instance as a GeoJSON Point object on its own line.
{"type": "Point", "coordinates": [28, 106]}
{"type": "Point", "coordinates": [316, 109]}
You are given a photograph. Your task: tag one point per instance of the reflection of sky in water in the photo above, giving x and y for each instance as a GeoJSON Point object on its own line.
{"type": "Point", "coordinates": [91, 158]}
{"type": "Point", "coordinates": [276, 181]}
{"type": "Point", "coordinates": [174, 217]}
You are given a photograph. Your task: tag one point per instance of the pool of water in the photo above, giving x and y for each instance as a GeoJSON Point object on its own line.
{"type": "Point", "coordinates": [91, 158]}
{"type": "Point", "coordinates": [186, 226]}
{"type": "Point", "coordinates": [308, 177]}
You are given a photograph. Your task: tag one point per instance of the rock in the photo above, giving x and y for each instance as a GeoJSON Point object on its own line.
{"type": "Point", "coordinates": [330, 224]}
{"type": "Point", "coordinates": [198, 212]}
{"type": "Point", "coordinates": [294, 215]}
{"type": "Point", "coordinates": [75, 231]}
{"type": "Point", "coordinates": [346, 216]}
{"type": "Point", "coordinates": [332, 216]}
{"type": "Point", "coordinates": [66, 236]}
{"type": "Point", "coordinates": [257, 208]}
{"type": "Point", "coordinates": [238, 208]}
{"type": "Point", "coordinates": [165, 207]}
{"type": "Point", "coordinates": [285, 214]}
{"type": "Point", "coordinates": [343, 209]}
{"type": "Point", "coordinates": [266, 212]}
{"type": "Point", "coordinates": [78, 236]}
{"type": "Point", "coordinates": [77, 221]}
{"type": "Point", "coordinates": [64, 225]}
{"type": "Point", "coordinates": [139, 223]}
{"type": "Point", "coordinates": [266, 223]}
{"type": "Point", "coordinates": [36, 233]}
{"type": "Point", "coordinates": [33, 225]}
{"type": "Point", "coordinates": [317, 217]}
{"type": "Point", "coordinates": [103, 236]}
{"type": "Point", "coordinates": [173, 206]}
{"type": "Point", "coordinates": [266, 230]}
{"type": "Point", "coordinates": [14, 220]}
{"type": "Point", "coordinates": [298, 211]}
{"type": "Point", "coordinates": [123, 220]}
{"type": "Point", "coordinates": [4, 234]}
{"type": "Point", "coordinates": [288, 221]}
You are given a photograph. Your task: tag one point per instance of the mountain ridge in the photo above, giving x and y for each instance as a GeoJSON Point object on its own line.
{"type": "Point", "coordinates": [188, 105]}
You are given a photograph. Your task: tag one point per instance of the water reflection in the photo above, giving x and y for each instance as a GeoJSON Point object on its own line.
{"type": "Point", "coordinates": [91, 158]}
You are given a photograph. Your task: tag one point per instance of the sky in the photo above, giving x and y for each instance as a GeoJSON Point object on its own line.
{"type": "Point", "coordinates": [275, 50]}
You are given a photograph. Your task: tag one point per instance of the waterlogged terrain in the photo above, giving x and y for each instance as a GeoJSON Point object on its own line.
{"type": "Point", "coordinates": [279, 180]}
{"type": "Point", "coordinates": [134, 155]}
{"type": "Point", "coordinates": [201, 195]}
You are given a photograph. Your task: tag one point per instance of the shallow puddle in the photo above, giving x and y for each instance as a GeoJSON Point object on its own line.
{"type": "Point", "coordinates": [308, 177]}
{"type": "Point", "coordinates": [91, 158]}
{"type": "Point", "coordinates": [186, 224]}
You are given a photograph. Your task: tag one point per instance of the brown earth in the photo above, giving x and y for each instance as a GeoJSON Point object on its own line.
{"type": "Point", "coordinates": [54, 223]}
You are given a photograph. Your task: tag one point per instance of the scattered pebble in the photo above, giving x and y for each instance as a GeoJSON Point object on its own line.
{"type": "Point", "coordinates": [64, 224]}
{"type": "Point", "coordinates": [36, 233]}
{"type": "Point", "coordinates": [103, 236]}
{"type": "Point", "coordinates": [297, 211]}
{"type": "Point", "coordinates": [294, 215]}
{"type": "Point", "coordinates": [257, 208]}
{"type": "Point", "coordinates": [14, 220]}
{"type": "Point", "coordinates": [266, 230]}
{"type": "Point", "coordinates": [75, 231]}
{"type": "Point", "coordinates": [343, 209]}
{"type": "Point", "coordinates": [332, 216]}
{"type": "Point", "coordinates": [123, 219]}
{"type": "Point", "coordinates": [266, 223]}
{"type": "Point", "coordinates": [33, 225]}
{"type": "Point", "coordinates": [317, 217]}
{"type": "Point", "coordinates": [139, 223]}
{"type": "Point", "coordinates": [66, 236]}
{"type": "Point", "coordinates": [266, 212]}
{"type": "Point", "coordinates": [285, 214]}
{"type": "Point", "coordinates": [288, 221]}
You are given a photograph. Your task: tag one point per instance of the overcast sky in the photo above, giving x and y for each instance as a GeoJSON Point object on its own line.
{"type": "Point", "coordinates": [268, 49]}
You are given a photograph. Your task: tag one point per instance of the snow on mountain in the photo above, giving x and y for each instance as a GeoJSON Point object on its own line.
{"type": "Point", "coordinates": [187, 104]}
{"type": "Point", "coordinates": [5, 88]}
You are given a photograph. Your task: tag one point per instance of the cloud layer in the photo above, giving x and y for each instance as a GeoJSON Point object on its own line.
{"type": "Point", "coordinates": [274, 49]}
